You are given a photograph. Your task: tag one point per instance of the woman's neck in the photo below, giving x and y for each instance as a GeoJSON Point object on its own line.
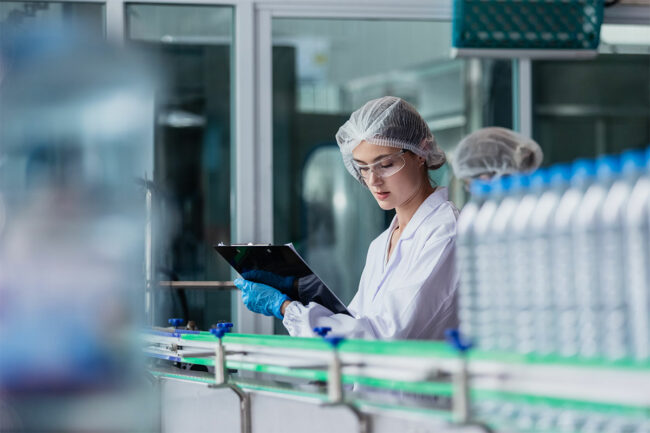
{"type": "Point", "coordinates": [407, 209]}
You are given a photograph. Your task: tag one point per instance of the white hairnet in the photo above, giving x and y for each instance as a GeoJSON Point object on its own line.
{"type": "Point", "coordinates": [496, 152]}
{"type": "Point", "coordinates": [388, 121]}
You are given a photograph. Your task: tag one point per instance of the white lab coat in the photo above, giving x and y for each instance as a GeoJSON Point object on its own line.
{"type": "Point", "coordinates": [412, 296]}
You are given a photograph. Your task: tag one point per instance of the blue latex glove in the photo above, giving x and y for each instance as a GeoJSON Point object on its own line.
{"type": "Point", "coordinates": [260, 298]}
{"type": "Point", "coordinates": [273, 280]}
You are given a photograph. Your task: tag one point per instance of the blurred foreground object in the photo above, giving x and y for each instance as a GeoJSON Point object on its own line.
{"type": "Point", "coordinates": [75, 131]}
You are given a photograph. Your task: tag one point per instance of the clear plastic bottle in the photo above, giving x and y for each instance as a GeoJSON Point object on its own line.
{"type": "Point", "coordinates": [595, 423]}
{"type": "Point", "coordinates": [467, 255]}
{"type": "Point", "coordinates": [582, 172]}
{"type": "Point", "coordinates": [612, 264]}
{"type": "Point", "coordinates": [570, 421]}
{"type": "Point", "coordinates": [500, 273]}
{"type": "Point", "coordinates": [527, 418]}
{"type": "Point", "coordinates": [637, 253]}
{"type": "Point", "coordinates": [546, 419]}
{"type": "Point", "coordinates": [552, 184]}
{"type": "Point", "coordinates": [587, 244]}
{"type": "Point", "coordinates": [486, 299]}
{"type": "Point", "coordinates": [520, 263]}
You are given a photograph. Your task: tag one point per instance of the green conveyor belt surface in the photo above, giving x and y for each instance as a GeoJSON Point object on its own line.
{"type": "Point", "coordinates": [417, 349]}
{"type": "Point", "coordinates": [423, 388]}
{"type": "Point", "coordinates": [429, 388]}
{"type": "Point", "coordinates": [430, 350]}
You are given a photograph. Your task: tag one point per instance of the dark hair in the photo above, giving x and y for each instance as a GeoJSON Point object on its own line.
{"type": "Point", "coordinates": [429, 167]}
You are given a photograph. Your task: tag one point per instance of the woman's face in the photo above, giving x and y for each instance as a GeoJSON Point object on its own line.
{"type": "Point", "coordinates": [391, 191]}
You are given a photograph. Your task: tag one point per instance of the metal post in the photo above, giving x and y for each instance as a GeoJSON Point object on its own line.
{"type": "Point", "coordinates": [149, 295]}
{"type": "Point", "coordinates": [219, 364]}
{"type": "Point", "coordinates": [461, 403]}
{"type": "Point", "coordinates": [334, 379]}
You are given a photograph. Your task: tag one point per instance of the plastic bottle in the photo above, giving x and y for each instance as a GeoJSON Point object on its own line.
{"type": "Point", "coordinates": [582, 172]}
{"type": "Point", "coordinates": [637, 254]}
{"type": "Point", "coordinates": [612, 264]}
{"type": "Point", "coordinates": [552, 184]}
{"type": "Point", "coordinates": [520, 263]}
{"type": "Point", "coordinates": [587, 243]}
{"type": "Point", "coordinates": [500, 271]}
{"type": "Point", "coordinates": [546, 420]}
{"type": "Point", "coordinates": [486, 299]}
{"type": "Point", "coordinates": [586, 258]}
{"type": "Point", "coordinates": [467, 255]}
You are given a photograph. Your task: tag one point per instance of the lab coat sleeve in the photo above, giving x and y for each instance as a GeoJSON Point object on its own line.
{"type": "Point", "coordinates": [300, 320]}
{"type": "Point", "coordinates": [421, 305]}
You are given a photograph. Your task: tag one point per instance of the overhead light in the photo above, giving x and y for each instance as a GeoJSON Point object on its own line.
{"type": "Point", "coordinates": [617, 34]}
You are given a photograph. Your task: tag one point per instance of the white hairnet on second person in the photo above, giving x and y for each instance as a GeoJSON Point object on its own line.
{"type": "Point", "coordinates": [495, 151]}
{"type": "Point", "coordinates": [388, 121]}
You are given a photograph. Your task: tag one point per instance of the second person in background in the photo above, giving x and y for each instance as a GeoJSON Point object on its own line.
{"type": "Point", "coordinates": [494, 152]}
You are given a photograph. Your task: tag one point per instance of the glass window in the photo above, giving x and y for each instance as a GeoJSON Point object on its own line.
{"type": "Point", "coordinates": [325, 69]}
{"type": "Point", "coordinates": [55, 14]}
{"type": "Point", "coordinates": [584, 108]}
{"type": "Point", "coordinates": [191, 45]}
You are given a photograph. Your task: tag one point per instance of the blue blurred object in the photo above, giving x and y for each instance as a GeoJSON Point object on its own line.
{"type": "Point", "coordinates": [175, 322]}
{"type": "Point", "coordinates": [76, 129]}
{"type": "Point", "coordinates": [75, 114]}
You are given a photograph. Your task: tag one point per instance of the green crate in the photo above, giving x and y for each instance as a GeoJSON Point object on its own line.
{"type": "Point", "coordinates": [527, 24]}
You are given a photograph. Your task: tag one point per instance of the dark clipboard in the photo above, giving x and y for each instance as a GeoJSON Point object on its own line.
{"type": "Point", "coordinates": [284, 261]}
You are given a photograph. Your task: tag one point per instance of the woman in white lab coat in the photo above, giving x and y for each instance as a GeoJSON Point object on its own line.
{"type": "Point", "coordinates": [409, 283]}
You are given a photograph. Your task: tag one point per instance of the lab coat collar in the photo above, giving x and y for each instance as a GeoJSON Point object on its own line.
{"type": "Point", "coordinates": [434, 200]}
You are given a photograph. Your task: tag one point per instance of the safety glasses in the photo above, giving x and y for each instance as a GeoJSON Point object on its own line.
{"type": "Point", "coordinates": [385, 167]}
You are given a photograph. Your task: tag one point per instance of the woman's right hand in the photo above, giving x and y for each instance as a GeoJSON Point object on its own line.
{"type": "Point", "coordinates": [261, 298]}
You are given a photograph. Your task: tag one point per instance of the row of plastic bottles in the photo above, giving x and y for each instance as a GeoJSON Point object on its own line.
{"type": "Point", "coordinates": [557, 262]}
{"type": "Point", "coordinates": [542, 418]}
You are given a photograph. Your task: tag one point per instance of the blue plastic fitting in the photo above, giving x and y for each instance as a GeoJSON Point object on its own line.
{"type": "Point", "coordinates": [176, 322]}
{"type": "Point", "coordinates": [218, 332]}
{"type": "Point", "coordinates": [454, 338]}
{"type": "Point", "coordinates": [226, 326]}
{"type": "Point", "coordinates": [322, 330]}
{"type": "Point", "coordinates": [334, 341]}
